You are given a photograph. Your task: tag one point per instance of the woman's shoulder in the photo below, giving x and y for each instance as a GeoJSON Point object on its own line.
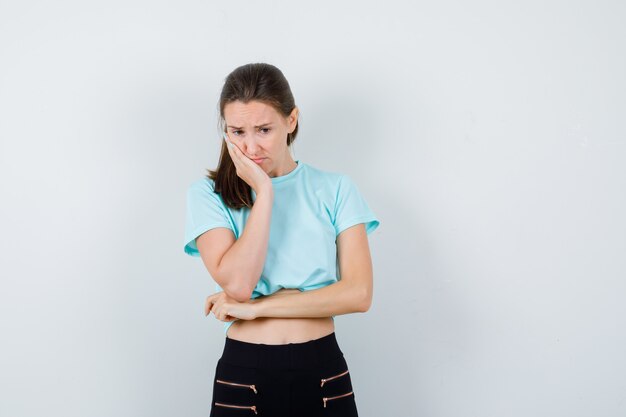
{"type": "Point", "coordinates": [324, 175]}
{"type": "Point", "coordinates": [202, 184]}
{"type": "Point", "coordinates": [202, 189]}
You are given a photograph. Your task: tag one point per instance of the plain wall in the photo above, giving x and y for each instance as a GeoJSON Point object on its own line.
{"type": "Point", "coordinates": [487, 136]}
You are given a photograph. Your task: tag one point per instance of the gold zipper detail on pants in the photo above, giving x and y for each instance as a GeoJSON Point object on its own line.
{"type": "Point", "coordinates": [324, 380]}
{"type": "Point", "coordinates": [251, 407]}
{"type": "Point", "coordinates": [252, 386]}
{"type": "Point", "coordinates": [335, 397]}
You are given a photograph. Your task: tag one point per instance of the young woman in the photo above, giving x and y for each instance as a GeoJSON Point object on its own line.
{"type": "Point", "coordinates": [287, 245]}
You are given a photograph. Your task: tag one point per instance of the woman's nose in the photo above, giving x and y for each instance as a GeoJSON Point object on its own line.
{"type": "Point", "coordinates": [250, 146]}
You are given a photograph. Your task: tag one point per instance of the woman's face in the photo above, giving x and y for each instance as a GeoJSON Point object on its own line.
{"type": "Point", "coordinates": [261, 134]}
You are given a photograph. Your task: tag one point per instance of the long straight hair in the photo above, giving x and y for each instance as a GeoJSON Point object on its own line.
{"type": "Point", "coordinates": [260, 82]}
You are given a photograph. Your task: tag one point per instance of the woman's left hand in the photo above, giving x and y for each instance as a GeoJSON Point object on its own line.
{"type": "Point", "coordinates": [227, 308]}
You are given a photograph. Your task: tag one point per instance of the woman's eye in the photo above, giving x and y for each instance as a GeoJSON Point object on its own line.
{"type": "Point", "coordinates": [264, 129]}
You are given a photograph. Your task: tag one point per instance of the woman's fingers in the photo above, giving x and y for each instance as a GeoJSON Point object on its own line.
{"type": "Point", "coordinates": [220, 305]}
{"type": "Point", "coordinates": [218, 311]}
{"type": "Point", "coordinates": [231, 149]}
{"type": "Point", "coordinates": [239, 158]}
{"type": "Point", "coordinates": [208, 304]}
{"type": "Point", "coordinates": [235, 154]}
{"type": "Point", "coordinates": [212, 304]}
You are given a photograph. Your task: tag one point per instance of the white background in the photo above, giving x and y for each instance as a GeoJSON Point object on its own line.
{"type": "Point", "coordinates": [488, 136]}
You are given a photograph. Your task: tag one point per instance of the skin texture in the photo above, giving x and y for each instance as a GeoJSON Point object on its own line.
{"type": "Point", "coordinates": [289, 315]}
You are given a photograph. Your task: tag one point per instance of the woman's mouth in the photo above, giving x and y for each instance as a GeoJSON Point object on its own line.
{"type": "Point", "coordinates": [258, 161]}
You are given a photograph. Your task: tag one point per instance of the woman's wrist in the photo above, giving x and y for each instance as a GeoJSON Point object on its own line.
{"type": "Point", "coordinates": [265, 191]}
{"type": "Point", "coordinates": [257, 306]}
{"type": "Point", "coordinates": [260, 303]}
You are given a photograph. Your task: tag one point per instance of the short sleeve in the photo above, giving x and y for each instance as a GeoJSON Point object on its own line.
{"type": "Point", "coordinates": [205, 211]}
{"type": "Point", "coordinates": [351, 208]}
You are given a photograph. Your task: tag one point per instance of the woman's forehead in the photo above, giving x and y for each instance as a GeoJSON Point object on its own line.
{"type": "Point", "coordinates": [257, 113]}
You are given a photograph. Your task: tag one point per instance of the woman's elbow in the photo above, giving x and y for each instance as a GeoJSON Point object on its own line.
{"type": "Point", "coordinates": [238, 292]}
{"type": "Point", "coordinates": [364, 301]}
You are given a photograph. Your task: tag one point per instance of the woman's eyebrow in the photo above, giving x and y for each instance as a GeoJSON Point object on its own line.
{"type": "Point", "coordinates": [264, 124]}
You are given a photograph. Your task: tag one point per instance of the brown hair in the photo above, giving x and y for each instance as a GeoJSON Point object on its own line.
{"type": "Point", "coordinates": [260, 82]}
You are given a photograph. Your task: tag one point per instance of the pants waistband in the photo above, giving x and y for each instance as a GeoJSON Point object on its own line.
{"type": "Point", "coordinates": [303, 355]}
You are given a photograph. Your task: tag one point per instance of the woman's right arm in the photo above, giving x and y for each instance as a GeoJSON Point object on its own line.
{"type": "Point", "coordinates": [236, 264]}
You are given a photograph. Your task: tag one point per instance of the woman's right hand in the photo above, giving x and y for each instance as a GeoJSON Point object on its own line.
{"type": "Point", "coordinates": [247, 169]}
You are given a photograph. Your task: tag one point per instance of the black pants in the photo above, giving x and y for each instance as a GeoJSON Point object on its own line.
{"type": "Point", "coordinates": [307, 379]}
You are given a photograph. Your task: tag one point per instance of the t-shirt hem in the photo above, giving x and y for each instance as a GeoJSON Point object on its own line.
{"type": "Point", "coordinates": [189, 248]}
{"type": "Point", "coordinates": [371, 223]}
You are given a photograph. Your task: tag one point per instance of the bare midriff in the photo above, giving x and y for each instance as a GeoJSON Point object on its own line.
{"type": "Point", "coordinates": [281, 330]}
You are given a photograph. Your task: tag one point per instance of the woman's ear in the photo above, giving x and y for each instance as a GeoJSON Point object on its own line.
{"type": "Point", "coordinates": [293, 119]}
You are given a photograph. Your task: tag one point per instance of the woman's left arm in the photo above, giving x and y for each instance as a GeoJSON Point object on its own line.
{"type": "Point", "coordinates": [351, 294]}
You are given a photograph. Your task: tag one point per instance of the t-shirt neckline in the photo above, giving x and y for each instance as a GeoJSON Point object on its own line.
{"type": "Point", "coordinates": [289, 175]}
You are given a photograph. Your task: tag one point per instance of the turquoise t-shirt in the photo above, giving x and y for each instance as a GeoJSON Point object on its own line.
{"type": "Point", "coordinates": [310, 208]}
